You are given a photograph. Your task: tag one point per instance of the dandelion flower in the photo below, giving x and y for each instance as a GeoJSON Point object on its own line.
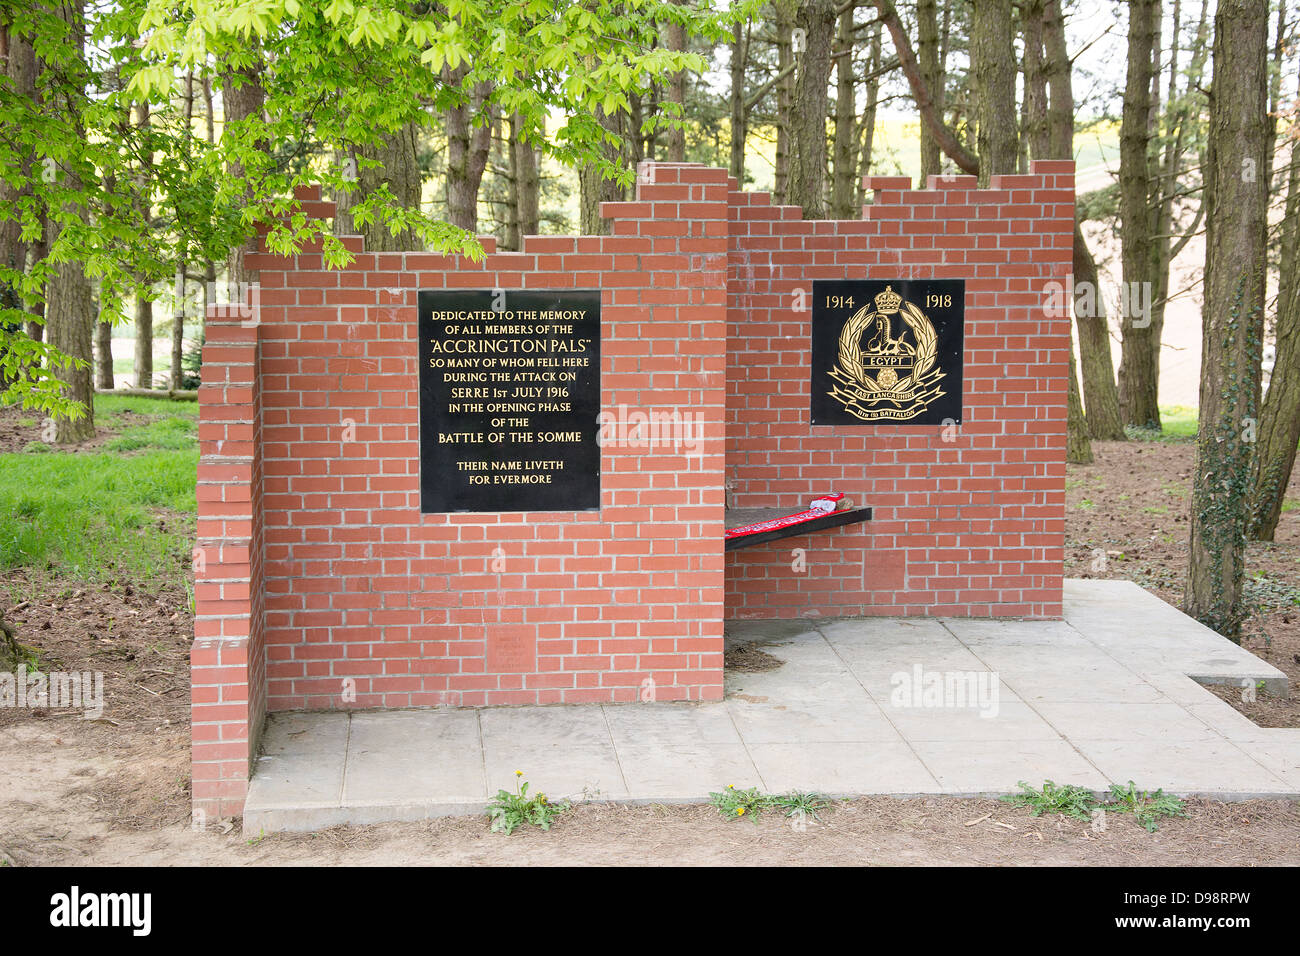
{"type": "Point", "coordinates": [740, 811]}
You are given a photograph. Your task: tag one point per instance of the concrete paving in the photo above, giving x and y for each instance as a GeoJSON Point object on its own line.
{"type": "Point", "coordinates": [866, 706]}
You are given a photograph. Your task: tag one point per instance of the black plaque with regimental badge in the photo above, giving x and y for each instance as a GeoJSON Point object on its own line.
{"type": "Point", "coordinates": [509, 396]}
{"type": "Point", "coordinates": [887, 351]}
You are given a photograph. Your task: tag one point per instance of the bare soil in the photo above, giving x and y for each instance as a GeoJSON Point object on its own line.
{"type": "Point", "coordinates": [748, 658]}
{"type": "Point", "coordinates": [115, 791]}
{"type": "Point", "coordinates": [19, 428]}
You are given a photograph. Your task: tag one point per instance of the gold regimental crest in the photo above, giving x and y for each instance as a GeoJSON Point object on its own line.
{"type": "Point", "coordinates": [882, 375]}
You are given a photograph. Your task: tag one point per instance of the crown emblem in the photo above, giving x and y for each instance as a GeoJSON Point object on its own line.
{"type": "Point", "coordinates": [888, 301]}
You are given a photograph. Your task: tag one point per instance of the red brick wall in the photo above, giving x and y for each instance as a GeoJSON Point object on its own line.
{"type": "Point", "coordinates": [320, 585]}
{"type": "Point", "coordinates": [967, 522]}
{"type": "Point", "coordinates": [369, 603]}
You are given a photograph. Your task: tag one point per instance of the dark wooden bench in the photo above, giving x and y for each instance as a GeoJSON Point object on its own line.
{"type": "Point", "coordinates": [737, 517]}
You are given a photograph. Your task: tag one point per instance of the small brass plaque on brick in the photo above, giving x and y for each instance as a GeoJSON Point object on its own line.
{"type": "Point", "coordinates": [509, 396]}
{"type": "Point", "coordinates": [887, 351]}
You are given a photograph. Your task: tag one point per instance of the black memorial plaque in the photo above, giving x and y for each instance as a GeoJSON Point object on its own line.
{"type": "Point", "coordinates": [509, 395]}
{"type": "Point", "coordinates": [887, 351]}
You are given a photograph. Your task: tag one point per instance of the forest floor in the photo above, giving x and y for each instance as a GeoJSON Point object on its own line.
{"type": "Point", "coordinates": [114, 790]}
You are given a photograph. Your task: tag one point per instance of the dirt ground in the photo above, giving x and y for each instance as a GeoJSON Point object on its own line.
{"type": "Point", "coordinates": [19, 428]}
{"type": "Point", "coordinates": [115, 790]}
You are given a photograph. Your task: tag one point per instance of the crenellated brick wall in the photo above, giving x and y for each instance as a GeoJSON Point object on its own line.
{"type": "Point", "coordinates": [369, 603]}
{"type": "Point", "coordinates": [969, 520]}
{"type": "Point", "coordinates": [320, 585]}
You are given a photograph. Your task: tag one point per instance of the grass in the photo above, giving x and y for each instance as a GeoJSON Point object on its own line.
{"type": "Point", "coordinates": [109, 408]}
{"type": "Point", "coordinates": [95, 517]}
{"type": "Point", "coordinates": [1177, 424]}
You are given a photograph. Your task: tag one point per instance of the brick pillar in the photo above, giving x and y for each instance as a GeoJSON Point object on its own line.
{"type": "Point", "coordinates": [674, 357]}
{"type": "Point", "coordinates": [227, 659]}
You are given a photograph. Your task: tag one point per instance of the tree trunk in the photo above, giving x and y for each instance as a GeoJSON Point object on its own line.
{"type": "Point", "coordinates": [932, 116]}
{"type": "Point", "coordinates": [1279, 420]}
{"type": "Point", "coordinates": [178, 312]}
{"type": "Point", "coordinates": [103, 354]}
{"type": "Point", "coordinates": [468, 147]}
{"type": "Point", "coordinates": [70, 319]}
{"type": "Point", "coordinates": [1078, 449]}
{"type": "Point", "coordinates": [178, 327]}
{"type": "Point", "coordinates": [846, 114]}
{"type": "Point", "coordinates": [143, 304]}
{"type": "Point", "coordinates": [1232, 323]}
{"type": "Point", "coordinates": [1138, 367]}
{"type": "Point", "coordinates": [1035, 133]}
{"type": "Point", "coordinates": [927, 54]}
{"type": "Point", "coordinates": [528, 188]}
{"type": "Point", "coordinates": [868, 125]}
{"type": "Point", "coordinates": [675, 134]}
{"type": "Point", "coordinates": [143, 341]}
{"type": "Point", "coordinates": [69, 301]}
{"type": "Point", "coordinates": [1099, 392]}
{"type": "Point", "coordinates": [808, 169]}
{"type": "Point", "coordinates": [243, 98]}
{"type": "Point", "coordinates": [739, 54]}
{"type": "Point", "coordinates": [595, 188]}
{"type": "Point", "coordinates": [1049, 134]}
{"type": "Point", "coordinates": [399, 170]}
{"type": "Point", "coordinates": [513, 239]}
{"type": "Point", "coordinates": [1101, 399]}
{"type": "Point", "coordinates": [993, 66]}
{"type": "Point", "coordinates": [784, 12]}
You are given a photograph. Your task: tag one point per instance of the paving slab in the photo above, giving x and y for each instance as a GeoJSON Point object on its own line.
{"type": "Point", "coordinates": [1101, 697]}
{"type": "Point", "coordinates": [563, 751]}
{"type": "Point", "coordinates": [817, 721]}
{"type": "Point", "coordinates": [1189, 768]}
{"type": "Point", "coordinates": [1159, 720]}
{"type": "Point", "coordinates": [303, 760]}
{"type": "Point", "coordinates": [682, 773]}
{"type": "Point", "coordinates": [843, 769]}
{"type": "Point", "coordinates": [411, 757]}
{"type": "Point", "coordinates": [1007, 721]}
{"type": "Point", "coordinates": [982, 767]}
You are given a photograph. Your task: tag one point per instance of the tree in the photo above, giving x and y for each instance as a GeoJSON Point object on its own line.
{"type": "Point", "coordinates": [1279, 420]}
{"type": "Point", "coordinates": [1100, 396]}
{"type": "Point", "coordinates": [675, 40]}
{"type": "Point", "coordinates": [1138, 372]}
{"type": "Point", "coordinates": [867, 128]}
{"type": "Point", "coordinates": [736, 99]}
{"type": "Point", "coordinates": [298, 83]}
{"type": "Point", "coordinates": [1232, 321]}
{"type": "Point", "coordinates": [390, 166]}
{"type": "Point", "coordinates": [807, 183]}
{"type": "Point", "coordinates": [842, 185]}
{"type": "Point", "coordinates": [469, 139]}
{"type": "Point", "coordinates": [931, 72]}
{"type": "Point", "coordinates": [1049, 99]}
{"type": "Point", "coordinates": [70, 305]}
{"type": "Point", "coordinates": [931, 114]}
{"type": "Point", "coordinates": [993, 63]}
